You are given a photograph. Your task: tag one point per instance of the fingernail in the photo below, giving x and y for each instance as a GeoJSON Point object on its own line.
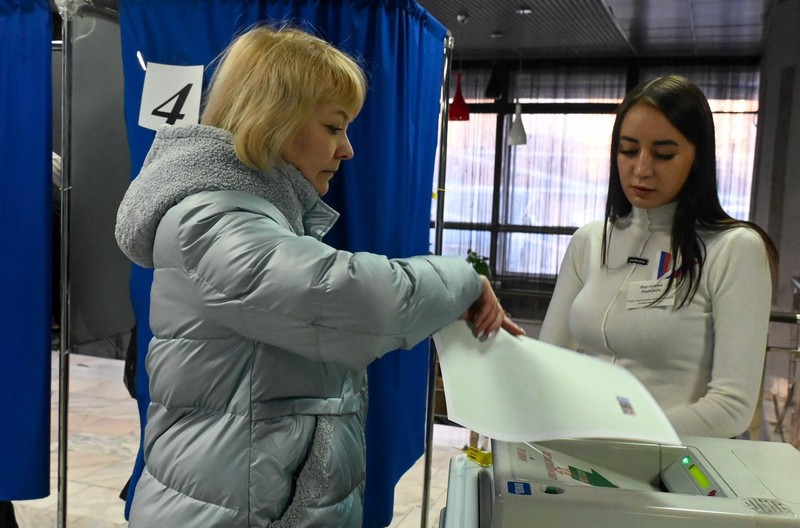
{"type": "Point", "coordinates": [491, 334]}
{"type": "Point", "coordinates": [481, 335]}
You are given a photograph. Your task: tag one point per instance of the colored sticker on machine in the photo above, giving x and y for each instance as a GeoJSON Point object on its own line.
{"type": "Point", "coordinates": [549, 465]}
{"type": "Point", "coordinates": [594, 478]}
{"type": "Point", "coordinates": [519, 488]}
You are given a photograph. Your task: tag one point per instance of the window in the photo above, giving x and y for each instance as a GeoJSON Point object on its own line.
{"type": "Point", "coordinates": [732, 94]}
{"type": "Point", "coordinates": [519, 205]}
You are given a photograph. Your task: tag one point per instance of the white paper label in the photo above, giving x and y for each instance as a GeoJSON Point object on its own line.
{"type": "Point", "coordinates": [650, 293]}
{"type": "Point", "coordinates": [170, 95]}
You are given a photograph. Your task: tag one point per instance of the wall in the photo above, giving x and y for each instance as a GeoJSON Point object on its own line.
{"type": "Point", "coordinates": [776, 191]}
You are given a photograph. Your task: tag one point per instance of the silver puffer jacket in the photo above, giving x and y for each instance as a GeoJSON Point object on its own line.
{"type": "Point", "coordinates": [261, 338]}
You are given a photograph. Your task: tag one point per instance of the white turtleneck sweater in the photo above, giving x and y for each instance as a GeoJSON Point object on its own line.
{"type": "Point", "coordinates": [703, 363]}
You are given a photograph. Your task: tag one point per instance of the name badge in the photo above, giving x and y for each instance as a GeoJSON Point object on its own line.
{"type": "Point", "coordinates": [650, 293]}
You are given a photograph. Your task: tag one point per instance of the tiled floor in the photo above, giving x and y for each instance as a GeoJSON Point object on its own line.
{"type": "Point", "coordinates": [104, 437]}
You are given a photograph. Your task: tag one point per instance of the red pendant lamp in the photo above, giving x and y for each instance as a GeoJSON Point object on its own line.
{"type": "Point", "coordinates": [458, 108]}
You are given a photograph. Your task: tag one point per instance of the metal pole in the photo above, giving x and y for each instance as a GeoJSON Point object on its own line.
{"type": "Point", "coordinates": [440, 187]}
{"type": "Point", "coordinates": [64, 344]}
{"type": "Point", "coordinates": [439, 230]}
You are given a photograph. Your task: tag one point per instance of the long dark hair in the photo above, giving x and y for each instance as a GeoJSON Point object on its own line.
{"type": "Point", "coordinates": [687, 109]}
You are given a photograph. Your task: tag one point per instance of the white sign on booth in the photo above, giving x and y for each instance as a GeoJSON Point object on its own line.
{"type": "Point", "coordinates": [171, 95]}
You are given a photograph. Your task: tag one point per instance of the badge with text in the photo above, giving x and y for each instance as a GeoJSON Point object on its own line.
{"type": "Point", "coordinates": [639, 261]}
{"type": "Point", "coordinates": [650, 293]}
{"type": "Point", "coordinates": [170, 95]}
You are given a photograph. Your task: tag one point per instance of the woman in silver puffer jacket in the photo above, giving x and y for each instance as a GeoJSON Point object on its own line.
{"type": "Point", "coordinates": [262, 333]}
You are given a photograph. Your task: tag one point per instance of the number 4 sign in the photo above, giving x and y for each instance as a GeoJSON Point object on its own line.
{"type": "Point", "coordinates": [171, 95]}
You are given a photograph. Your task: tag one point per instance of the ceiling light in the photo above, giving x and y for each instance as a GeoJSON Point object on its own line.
{"type": "Point", "coordinates": [496, 34]}
{"type": "Point", "coordinates": [458, 110]}
{"type": "Point", "coordinates": [517, 135]}
{"type": "Point", "coordinates": [495, 88]}
{"type": "Point", "coordinates": [523, 10]}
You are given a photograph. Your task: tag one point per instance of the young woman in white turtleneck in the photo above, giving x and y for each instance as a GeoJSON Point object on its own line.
{"type": "Point", "coordinates": [668, 285]}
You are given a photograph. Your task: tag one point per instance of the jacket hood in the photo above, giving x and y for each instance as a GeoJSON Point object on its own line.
{"type": "Point", "coordinates": [185, 160]}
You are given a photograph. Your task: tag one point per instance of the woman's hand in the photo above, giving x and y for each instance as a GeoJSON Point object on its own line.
{"type": "Point", "coordinates": [486, 316]}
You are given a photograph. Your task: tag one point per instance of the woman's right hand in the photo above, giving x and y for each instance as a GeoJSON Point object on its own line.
{"type": "Point", "coordinates": [486, 315]}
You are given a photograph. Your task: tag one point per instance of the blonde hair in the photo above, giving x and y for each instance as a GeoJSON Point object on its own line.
{"type": "Point", "coordinates": [269, 83]}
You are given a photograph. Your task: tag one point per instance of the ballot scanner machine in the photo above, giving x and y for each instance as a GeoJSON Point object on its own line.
{"type": "Point", "coordinates": [705, 482]}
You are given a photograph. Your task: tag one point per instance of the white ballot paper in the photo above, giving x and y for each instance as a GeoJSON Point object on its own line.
{"type": "Point", "coordinates": [519, 389]}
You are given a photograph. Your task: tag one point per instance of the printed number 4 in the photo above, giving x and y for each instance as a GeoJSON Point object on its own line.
{"type": "Point", "coordinates": [174, 114]}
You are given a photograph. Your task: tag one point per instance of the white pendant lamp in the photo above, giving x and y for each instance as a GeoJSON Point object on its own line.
{"type": "Point", "coordinates": [517, 135]}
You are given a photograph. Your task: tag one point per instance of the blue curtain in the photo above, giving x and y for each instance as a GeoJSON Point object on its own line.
{"type": "Point", "coordinates": [383, 193]}
{"type": "Point", "coordinates": [26, 217]}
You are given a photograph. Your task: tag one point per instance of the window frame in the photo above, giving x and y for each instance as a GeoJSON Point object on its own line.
{"type": "Point", "coordinates": [537, 284]}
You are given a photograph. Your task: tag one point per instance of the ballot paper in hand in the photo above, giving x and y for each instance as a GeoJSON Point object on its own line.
{"type": "Point", "coordinates": [519, 389]}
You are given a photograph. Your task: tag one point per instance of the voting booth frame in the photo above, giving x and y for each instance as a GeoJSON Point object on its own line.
{"type": "Point", "coordinates": [67, 10]}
